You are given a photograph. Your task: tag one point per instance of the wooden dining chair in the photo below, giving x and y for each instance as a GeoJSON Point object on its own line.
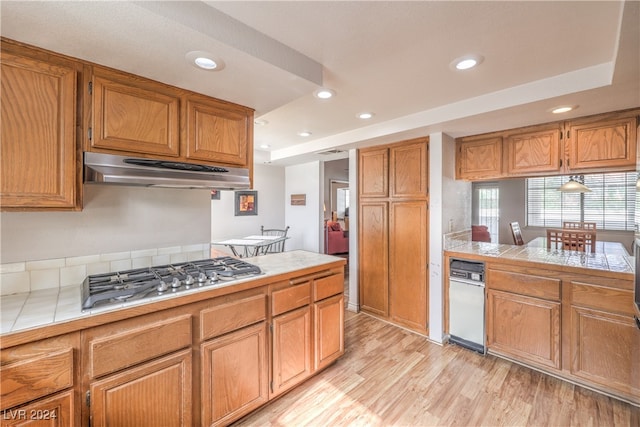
{"type": "Point", "coordinates": [516, 233]}
{"type": "Point", "coordinates": [571, 240]}
{"type": "Point", "coordinates": [579, 225]}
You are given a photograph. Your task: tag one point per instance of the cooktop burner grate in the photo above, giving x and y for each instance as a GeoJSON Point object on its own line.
{"type": "Point", "coordinates": [135, 284]}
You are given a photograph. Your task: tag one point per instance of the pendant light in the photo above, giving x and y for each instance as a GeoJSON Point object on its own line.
{"type": "Point", "coordinates": [575, 185]}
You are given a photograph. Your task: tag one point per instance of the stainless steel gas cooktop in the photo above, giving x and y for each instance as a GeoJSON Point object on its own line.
{"type": "Point", "coordinates": [101, 290]}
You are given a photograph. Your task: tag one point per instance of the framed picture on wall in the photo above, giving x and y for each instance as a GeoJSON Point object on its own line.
{"type": "Point", "coordinates": [246, 203]}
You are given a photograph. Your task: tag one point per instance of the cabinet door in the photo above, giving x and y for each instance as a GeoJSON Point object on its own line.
{"type": "Point", "coordinates": [479, 158]}
{"type": "Point", "coordinates": [291, 349]}
{"type": "Point", "coordinates": [408, 258]}
{"type": "Point", "coordinates": [134, 115]}
{"type": "Point", "coordinates": [609, 143]}
{"type": "Point", "coordinates": [524, 328]}
{"type": "Point", "coordinates": [38, 132]}
{"type": "Point", "coordinates": [218, 132]}
{"type": "Point", "coordinates": [234, 375]}
{"type": "Point", "coordinates": [373, 172]}
{"type": "Point", "coordinates": [373, 256]}
{"type": "Point", "coordinates": [57, 410]}
{"type": "Point", "coordinates": [533, 153]}
{"type": "Point", "coordinates": [603, 346]}
{"type": "Point", "coordinates": [329, 330]}
{"type": "Point", "coordinates": [408, 170]}
{"type": "Point", "coordinates": [157, 393]}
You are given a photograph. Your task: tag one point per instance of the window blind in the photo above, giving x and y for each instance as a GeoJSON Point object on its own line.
{"type": "Point", "coordinates": [611, 203]}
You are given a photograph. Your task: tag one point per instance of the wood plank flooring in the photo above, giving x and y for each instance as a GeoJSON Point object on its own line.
{"type": "Point", "coordinates": [389, 376]}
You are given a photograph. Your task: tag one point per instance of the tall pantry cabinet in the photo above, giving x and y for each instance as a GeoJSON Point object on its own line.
{"type": "Point", "coordinates": [393, 234]}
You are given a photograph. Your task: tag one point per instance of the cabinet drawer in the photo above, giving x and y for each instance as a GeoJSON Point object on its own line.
{"type": "Point", "coordinates": [525, 284]}
{"type": "Point", "coordinates": [614, 300]}
{"type": "Point", "coordinates": [287, 299]}
{"type": "Point", "coordinates": [114, 352]}
{"type": "Point", "coordinates": [35, 377]}
{"type": "Point", "coordinates": [232, 315]}
{"type": "Point", "coordinates": [327, 287]}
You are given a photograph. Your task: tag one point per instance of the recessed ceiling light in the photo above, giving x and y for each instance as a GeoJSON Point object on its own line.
{"type": "Point", "coordinates": [204, 61]}
{"type": "Point", "coordinates": [265, 146]}
{"type": "Point", "coordinates": [304, 133]}
{"type": "Point", "coordinates": [324, 93]}
{"type": "Point", "coordinates": [466, 62]}
{"type": "Point", "coordinates": [563, 109]}
{"type": "Point", "coordinates": [365, 116]}
{"type": "Point", "coordinates": [260, 122]}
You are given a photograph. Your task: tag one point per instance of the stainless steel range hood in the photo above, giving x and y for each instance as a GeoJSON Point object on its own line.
{"type": "Point", "coordinates": [124, 170]}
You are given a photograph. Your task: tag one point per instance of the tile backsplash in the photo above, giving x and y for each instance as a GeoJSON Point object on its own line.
{"type": "Point", "coordinates": [20, 277]}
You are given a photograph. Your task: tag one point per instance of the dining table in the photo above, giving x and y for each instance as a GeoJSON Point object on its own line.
{"type": "Point", "coordinates": [603, 247]}
{"type": "Point", "coordinates": [249, 246]}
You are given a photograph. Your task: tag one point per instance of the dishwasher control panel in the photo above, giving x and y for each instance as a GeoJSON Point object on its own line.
{"type": "Point", "coordinates": [469, 270]}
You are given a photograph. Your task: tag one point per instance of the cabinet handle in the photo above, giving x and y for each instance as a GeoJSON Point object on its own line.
{"type": "Point", "coordinates": [637, 321]}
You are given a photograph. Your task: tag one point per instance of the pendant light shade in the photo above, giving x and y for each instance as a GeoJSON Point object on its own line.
{"type": "Point", "coordinates": [575, 185]}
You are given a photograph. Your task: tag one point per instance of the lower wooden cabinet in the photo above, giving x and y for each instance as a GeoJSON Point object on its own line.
{"type": "Point", "coordinates": [54, 411]}
{"type": "Point", "coordinates": [524, 327]}
{"type": "Point", "coordinates": [572, 324]}
{"type": "Point", "coordinates": [39, 384]}
{"type": "Point", "coordinates": [291, 341]}
{"type": "Point", "coordinates": [328, 330]}
{"type": "Point", "coordinates": [156, 393]}
{"type": "Point", "coordinates": [235, 375]}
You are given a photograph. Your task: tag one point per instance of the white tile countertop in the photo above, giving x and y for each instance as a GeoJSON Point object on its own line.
{"type": "Point", "coordinates": [45, 307]}
{"type": "Point", "coordinates": [611, 258]}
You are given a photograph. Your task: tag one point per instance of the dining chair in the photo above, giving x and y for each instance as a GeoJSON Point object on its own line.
{"type": "Point", "coordinates": [516, 233]}
{"type": "Point", "coordinates": [277, 246]}
{"type": "Point", "coordinates": [571, 240]}
{"type": "Point", "coordinates": [579, 225]}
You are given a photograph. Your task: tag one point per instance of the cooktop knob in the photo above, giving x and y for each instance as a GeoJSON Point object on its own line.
{"type": "Point", "coordinates": [202, 278]}
{"type": "Point", "coordinates": [162, 287]}
{"type": "Point", "coordinates": [189, 280]}
{"type": "Point", "coordinates": [175, 283]}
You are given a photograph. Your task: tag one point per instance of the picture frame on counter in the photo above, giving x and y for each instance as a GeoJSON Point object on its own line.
{"type": "Point", "coordinates": [246, 203]}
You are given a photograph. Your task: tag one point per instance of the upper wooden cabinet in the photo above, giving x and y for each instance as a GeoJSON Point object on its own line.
{"type": "Point", "coordinates": [373, 172]}
{"type": "Point", "coordinates": [140, 117]}
{"type": "Point", "coordinates": [134, 115]}
{"type": "Point", "coordinates": [534, 152]}
{"type": "Point", "coordinates": [595, 144]}
{"type": "Point", "coordinates": [38, 142]}
{"type": "Point", "coordinates": [609, 142]}
{"type": "Point", "coordinates": [409, 157]}
{"type": "Point", "coordinates": [217, 131]}
{"type": "Point", "coordinates": [479, 158]}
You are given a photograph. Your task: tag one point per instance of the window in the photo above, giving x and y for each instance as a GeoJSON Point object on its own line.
{"type": "Point", "coordinates": [611, 203]}
{"type": "Point", "coordinates": [486, 207]}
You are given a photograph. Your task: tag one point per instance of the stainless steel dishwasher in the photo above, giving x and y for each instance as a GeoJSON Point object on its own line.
{"type": "Point", "coordinates": [466, 304]}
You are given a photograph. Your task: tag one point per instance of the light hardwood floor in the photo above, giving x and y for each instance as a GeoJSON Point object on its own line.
{"type": "Point", "coordinates": [389, 376]}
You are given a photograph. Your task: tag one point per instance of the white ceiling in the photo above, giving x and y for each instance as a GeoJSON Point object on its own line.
{"type": "Point", "coordinates": [388, 57]}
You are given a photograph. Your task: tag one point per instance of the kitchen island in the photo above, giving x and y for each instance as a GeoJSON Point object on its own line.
{"type": "Point", "coordinates": [204, 357]}
{"type": "Point", "coordinates": [566, 313]}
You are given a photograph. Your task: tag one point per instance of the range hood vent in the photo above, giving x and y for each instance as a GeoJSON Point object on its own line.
{"type": "Point", "coordinates": [123, 170]}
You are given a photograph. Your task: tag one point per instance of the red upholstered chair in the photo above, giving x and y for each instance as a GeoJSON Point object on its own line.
{"type": "Point", "coordinates": [480, 233]}
{"type": "Point", "coordinates": [337, 238]}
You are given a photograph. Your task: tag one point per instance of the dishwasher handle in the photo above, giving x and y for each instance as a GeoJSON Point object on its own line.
{"type": "Point", "coordinates": [467, 282]}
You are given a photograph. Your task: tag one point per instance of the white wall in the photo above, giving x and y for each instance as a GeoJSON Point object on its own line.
{"type": "Point", "coordinates": [449, 204]}
{"type": "Point", "coordinates": [114, 219]}
{"type": "Point", "coordinates": [305, 221]}
{"type": "Point", "coordinates": [269, 183]}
